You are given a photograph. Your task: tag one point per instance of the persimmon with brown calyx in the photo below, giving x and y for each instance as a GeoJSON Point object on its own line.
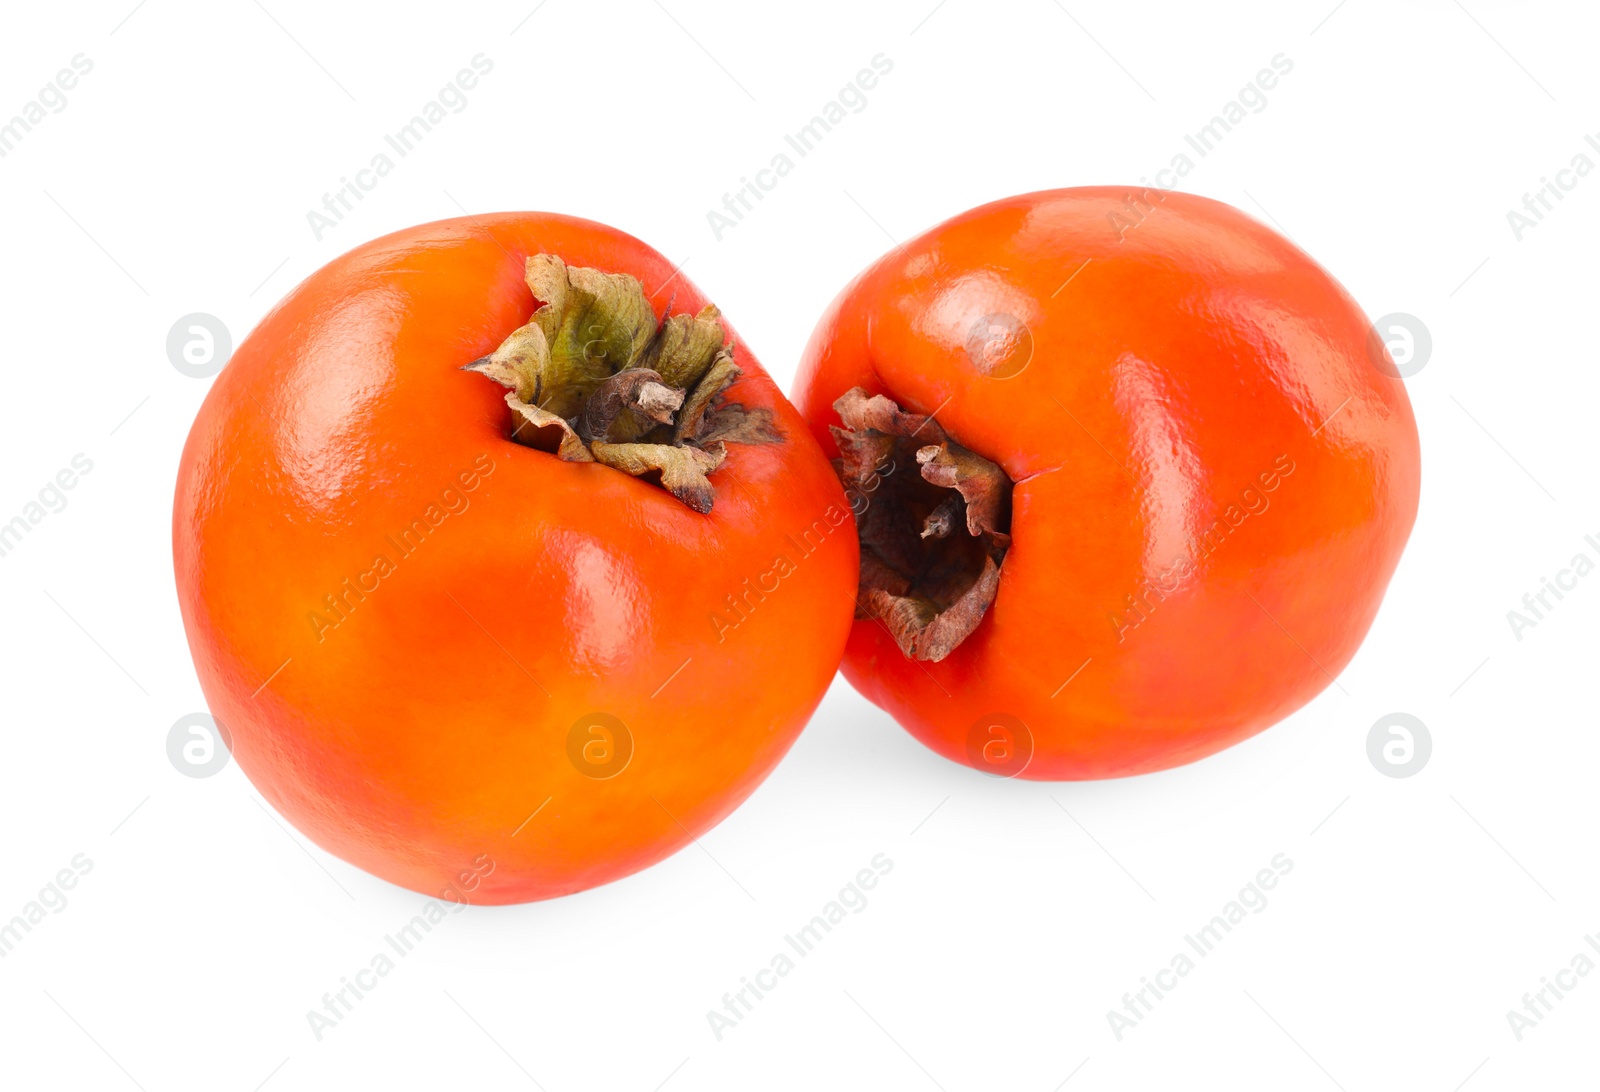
{"type": "Point", "coordinates": [505, 567]}
{"type": "Point", "coordinates": [1131, 473]}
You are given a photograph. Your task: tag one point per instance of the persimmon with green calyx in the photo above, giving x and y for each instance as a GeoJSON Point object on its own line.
{"type": "Point", "coordinates": [594, 378]}
{"type": "Point", "coordinates": [1131, 476]}
{"type": "Point", "coordinates": [505, 567]}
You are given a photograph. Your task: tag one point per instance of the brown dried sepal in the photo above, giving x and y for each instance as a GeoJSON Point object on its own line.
{"type": "Point", "coordinates": [681, 471]}
{"type": "Point", "coordinates": [861, 412]}
{"type": "Point", "coordinates": [594, 378]}
{"type": "Point", "coordinates": [735, 422]}
{"type": "Point", "coordinates": [932, 543]}
{"type": "Point", "coordinates": [686, 346]}
{"type": "Point", "coordinates": [537, 428]}
{"type": "Point", "coordinates": [628, 405]}
{"type": "Point", "coordinates": [921, 627]}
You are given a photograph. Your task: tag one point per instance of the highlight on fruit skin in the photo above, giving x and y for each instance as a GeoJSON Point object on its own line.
{"type": "Point", "coordinates": [1131, 478]}
{"type": "Point", "coordinates": [504, 565]}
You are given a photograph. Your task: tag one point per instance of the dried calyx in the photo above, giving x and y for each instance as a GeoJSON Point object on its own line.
{"type": "Point", "coordinates": [594, 378]}
{"type": "Point", "coordinates": [933, 517]}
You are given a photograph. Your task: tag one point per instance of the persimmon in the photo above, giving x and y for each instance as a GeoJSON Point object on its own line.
{"type": "Point", "coordinates": [1132, 475]}
{"type": "Point", "coordinates": [503, 563]}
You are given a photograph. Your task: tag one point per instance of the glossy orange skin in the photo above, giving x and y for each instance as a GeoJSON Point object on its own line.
{"type": "Point", "coordinates": [1167, 376]}
{"type": "Point", "coordinates": [416, 737]}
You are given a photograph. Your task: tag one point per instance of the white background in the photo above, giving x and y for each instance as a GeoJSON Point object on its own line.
{"type": "Point", "coordinates": [1419, 910]}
